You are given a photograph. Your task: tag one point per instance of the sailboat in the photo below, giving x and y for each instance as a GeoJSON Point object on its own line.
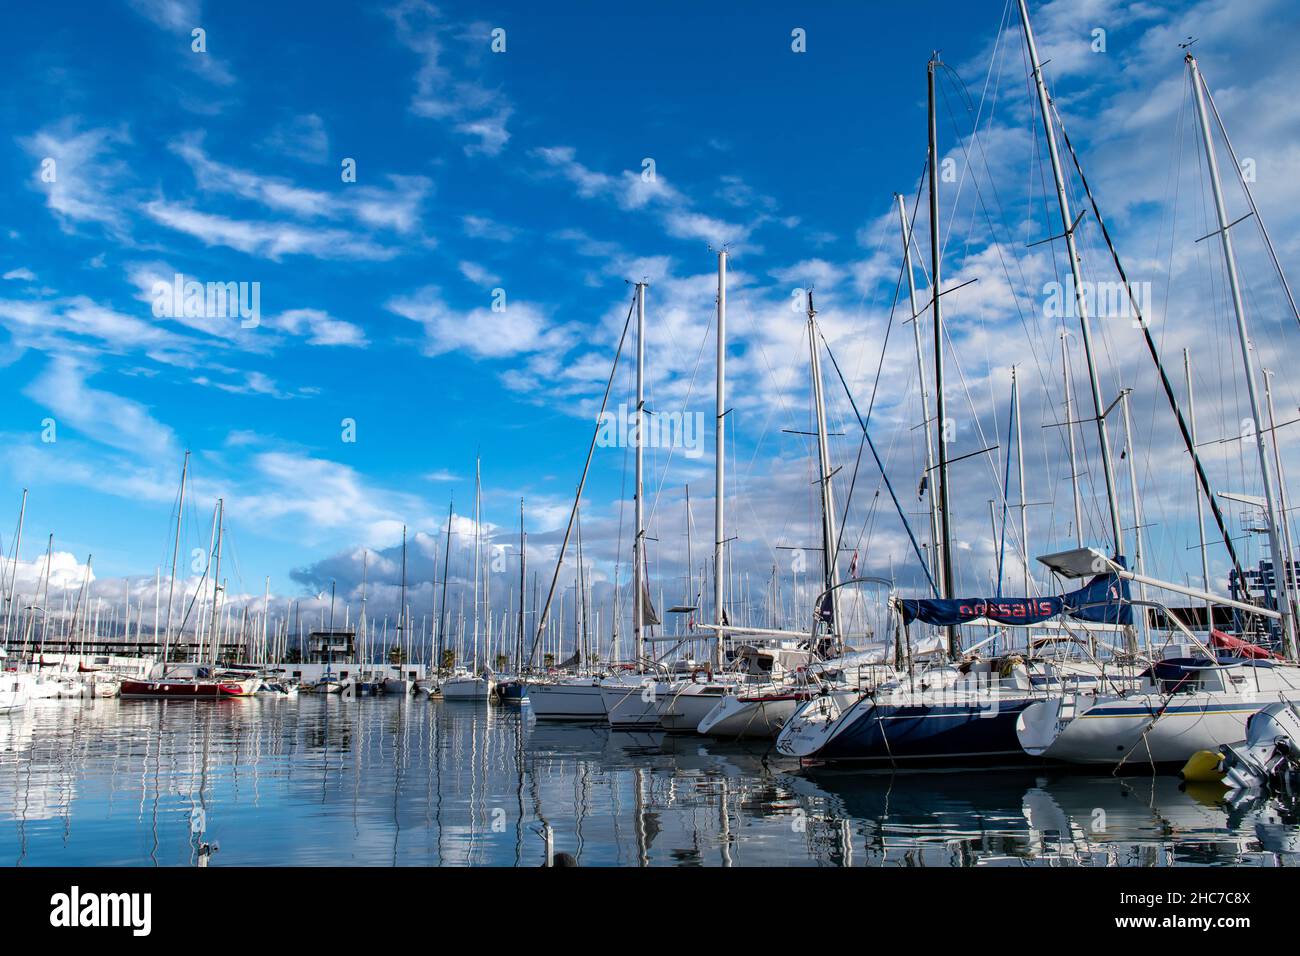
{"type": "Point", "coordinates": [514, 689]}
{"type": "Point", "coordinates": [474, 685]}
{"type": "Point", "coordinates": [195, 681]}
{"type": "Point", "coordinates": [630, 697]}
{"type": "Point", "coordinates": [964, 709]}
{"type": "Point", "coordinates": [15, 688]}
{"type": "Point", "coordinates": [399, 684]}
{"type": "Point", "coordinates": [1197, 697]}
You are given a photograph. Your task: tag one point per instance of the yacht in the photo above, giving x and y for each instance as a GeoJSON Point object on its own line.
{"type": "Point", "coordinates": [568, 698]}
{"type": "Point", "coordinates": [1186, 702]}
{"type": "Point", "coordinates": [462, 685]}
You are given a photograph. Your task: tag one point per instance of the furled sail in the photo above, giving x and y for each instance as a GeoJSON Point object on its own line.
{"type": "Point", "coordinates": [1103, 600]}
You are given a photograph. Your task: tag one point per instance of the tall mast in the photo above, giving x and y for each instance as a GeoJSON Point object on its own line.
{"type": "Point", "coordinates": [442, 609]}
{"type": "Point", "coordinates": [1248, 362]}
{"type": "Point", "coordinates": [176, 546]}
{"type": "Point", "coordinates": [478, 542]}
{"type": "Point", "coordinates": [638, 542]}
{"type": "Point", "coordinates": [1287, 572]}
{"type": "Point", "coordinates": [13, 571]}
{"type": "Point", "coordinates": [1139, 559]}
{"type": "Point", "coordinates": [361, 645]}
{"type": "Point", "coordinates": [945, 523]}
{"type": "Point", "coordinates": [719, 467]}
{"type": "Point", "coordinates": [830, 540]}
{"type": "Point", "coordinates": [935, 570]}
{"type": "Point", "coordinates": [266, 612]}
{"type": "Point", "coordinates": [1069, 434]}
{"type": "Point", "coordinates": [1020, 472]}
{"type": "Point", "coordinates": [1200, 510]}
{"type": "Point", "coordinates": [216, 581]}
{"type": "Point", "coordinates": [523, 588]}
{"type": "Point", "coordinates": [1080, 300]}
{"type": "Point", "coordinates": [402, 622]}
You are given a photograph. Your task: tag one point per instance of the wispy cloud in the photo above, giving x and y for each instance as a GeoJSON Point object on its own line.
{"type": "Point", "coordinates": [107, 418]}
{"type": "Point", "coordinates": [445, 91]}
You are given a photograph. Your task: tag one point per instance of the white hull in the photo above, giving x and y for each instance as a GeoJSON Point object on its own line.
{"type": "Point", "coordinates": [682, 708]}
{"type": "Point", "coordinates": [757, 715]}
{"type": "Point", "coordinates": [632, 703]}
{"type": "Point", "coordinates": [1138, 729]}
{"type": "Point", "coordinates": [1184, 705]}
{"type": "Point", "coordinates": [467, 688]}
{"type": "Point", "coordinates": [567, 700]}
{"type": "Point", "coordinates": [43, 688]}
{"type": "Point", "coordinates": [813, 723]}
{"type": "Point", "coordinates": [14, 691]}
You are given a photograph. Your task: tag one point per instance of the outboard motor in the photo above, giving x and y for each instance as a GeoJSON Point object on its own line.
{"type": "Point", "coordinates": [1270, 754]}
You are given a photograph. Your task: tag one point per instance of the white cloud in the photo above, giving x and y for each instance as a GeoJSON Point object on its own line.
{"type": "Point", "coordinates": [448, 93]}
{"type": "Point", "coordinates": [83, 172]}
{"type": "Point", "coordinates": [103, 416]}
{"type": "Point", "coordinates": [478, 275]}
{"type": "Point", "coordinates": [521, 328]}
{"type": "Point", "coordinates": [320, 328]}
{"type": "Point", "coordinates": [270, 239]}
{"type": "Point", "coordinates": [22, 273]}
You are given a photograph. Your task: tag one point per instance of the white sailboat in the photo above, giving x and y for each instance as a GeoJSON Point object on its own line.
{"type": "Point", "coordinates": [15, 688]}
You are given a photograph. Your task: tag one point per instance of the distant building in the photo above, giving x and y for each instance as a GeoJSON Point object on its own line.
{"type": "Point", "coordinates": [326, 646]}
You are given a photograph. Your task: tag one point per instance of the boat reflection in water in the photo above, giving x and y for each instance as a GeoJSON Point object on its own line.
{"type": "Point", "coordinates": [326, 779]}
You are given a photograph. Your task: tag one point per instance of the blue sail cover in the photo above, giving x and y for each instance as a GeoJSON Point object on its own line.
{"type": "Point", "coordinates": [1107, 593]}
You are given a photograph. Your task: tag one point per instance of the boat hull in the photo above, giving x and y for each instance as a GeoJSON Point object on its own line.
{"type": "Point", "coordinates": [681, 710]}
{"type": "Point", "coordinates": [756, 717]}
{"type": "Point", "coordinates": [1141, 730]}
{"type": "Point", "coordinates": [633, 705]}
{"type": "Point", "coordinates": [474, 689]}
{"type": "Point", "coordinates": [187, 690]}
{"type": "Point", "coordinates": [14, 692]}
{"type": "Point", "coordinates": [512, 692]}
{"type": "Point", "coordinates": [567, 701]}
{"type": "Point", "coordinates": [918, 733]}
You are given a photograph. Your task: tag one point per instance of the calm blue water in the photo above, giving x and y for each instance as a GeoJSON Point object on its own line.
{"type": "Point", "coordinates": [388, 782]}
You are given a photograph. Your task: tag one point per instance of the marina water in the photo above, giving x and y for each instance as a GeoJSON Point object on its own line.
{"type": "Point", "coordinates": [386, 781]}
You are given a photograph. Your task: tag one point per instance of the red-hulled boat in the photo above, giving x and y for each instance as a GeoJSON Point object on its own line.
{"type": "Point", "coordinates": [199, 684]}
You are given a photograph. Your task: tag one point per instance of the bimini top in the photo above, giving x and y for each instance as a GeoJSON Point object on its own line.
{"type": "Point", "coordinates": [1103, 600]}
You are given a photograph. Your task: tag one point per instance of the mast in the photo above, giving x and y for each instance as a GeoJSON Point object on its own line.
{"type": "Point", "coordinates": [442, 610]}
{"type": "Point", "coordinates": [638, 542]}
{"type": "Point", "coordinates": [171, 581]}
{"type": "Point", "coordinates": [13, 571]}
{"type": "Point", "coordinates": [719, 466]}
{"type": "Point", "coordinates": [945, 523]}
{"type": "Point", "coordinates": [478, 543]}
{"type": "Point", "coordinates": [1287, 571]}
{"type": "Point", "coordinates": [402, 621]}
{"type": "Point", "coordinates": [1069, 434]}
{"type": "Point", "coordinates": [1020, 472]}
{"type": "Point", "coordinates": [523, 588]}
{"type": "Point", "coordinates": [361, 645]}
{"type": "Point", "coordinates": [935, 570]}
{"type": "Point", "coordinates": [1248, 361]}
{"type": "Point", "coordinates": [1139, 561]}
{"type": "Point", "coordinates": [216, 580]}
{"type": "Point", "coordinates": [1200, 511]}
{"type": "Point", "coordinates": [1081, 304]}
{"type": "Point", "coordinates": [830, 566]}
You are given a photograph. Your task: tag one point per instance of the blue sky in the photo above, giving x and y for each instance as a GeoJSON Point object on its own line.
{"type": "Point", "coordinates": [522, 171]}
